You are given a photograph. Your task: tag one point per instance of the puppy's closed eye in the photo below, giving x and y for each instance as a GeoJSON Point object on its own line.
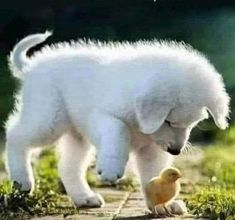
{"type": "Point", "coordinates": [168, 123]}
{"type": "Point", "coordinates": [172, 124]}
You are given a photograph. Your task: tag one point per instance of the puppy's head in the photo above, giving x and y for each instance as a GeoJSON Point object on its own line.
{"type": "Point", "coordinates": [168, 111]}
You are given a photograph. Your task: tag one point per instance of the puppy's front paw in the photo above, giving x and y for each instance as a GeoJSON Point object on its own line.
{"type": "Point", "coordinates": [110, 177]}
{"type": "Point", "coordinates": [110, 171]}
{"type": "Point", "coordinates": [91, 201]}
{"type": "Point", "coordinates": [178, 207]}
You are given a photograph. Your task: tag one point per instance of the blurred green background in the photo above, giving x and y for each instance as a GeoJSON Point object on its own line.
{"type": "Point", "coordinates": [208, 25]}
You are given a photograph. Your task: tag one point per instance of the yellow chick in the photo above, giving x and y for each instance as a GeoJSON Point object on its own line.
{"type": "Point", "coordinates": [161, 190]}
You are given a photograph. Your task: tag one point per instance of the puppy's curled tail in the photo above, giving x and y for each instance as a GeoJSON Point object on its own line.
{"type": "Point", "coordinates": [18, 58]}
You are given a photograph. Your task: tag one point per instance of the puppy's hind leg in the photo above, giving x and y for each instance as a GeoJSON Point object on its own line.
{"type": "Point", "coordinates": [40, 122]}
{"type": "Point", "coordinates": [22, 136]}
{"type": "Point", "coordinates": [18, 158]}
{"type": "Point", "coordinates": [75, 154]}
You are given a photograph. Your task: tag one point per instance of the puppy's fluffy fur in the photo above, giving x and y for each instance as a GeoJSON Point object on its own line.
{"type": "Point", "coordinates": [143, 97]}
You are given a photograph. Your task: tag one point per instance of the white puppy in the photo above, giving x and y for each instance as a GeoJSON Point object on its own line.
{"type": "Point", "coordinates": [143, 97]}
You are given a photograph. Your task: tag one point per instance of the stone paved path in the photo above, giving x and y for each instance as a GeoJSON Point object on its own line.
{"type": "Point", "coordinates": [120, 205]}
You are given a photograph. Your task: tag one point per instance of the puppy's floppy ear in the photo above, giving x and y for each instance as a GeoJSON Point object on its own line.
{"type": "Point", "coordinates": [151, 111]}
{"type": "Point", "coordinates": [219, 109]}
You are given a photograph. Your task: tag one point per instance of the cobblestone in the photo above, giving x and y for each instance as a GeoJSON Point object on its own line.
{"type": "Point", "coordinates": [120, 205]}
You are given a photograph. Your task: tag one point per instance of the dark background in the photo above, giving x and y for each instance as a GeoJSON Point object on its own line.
{"type": "Point", "coordinates": [207, 25]}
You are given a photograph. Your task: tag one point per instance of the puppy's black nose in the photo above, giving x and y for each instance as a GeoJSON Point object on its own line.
{"type": "Point", "coordinates": [173, 151]}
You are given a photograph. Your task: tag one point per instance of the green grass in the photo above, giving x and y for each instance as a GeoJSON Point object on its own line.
{"type": "Point", "coordinates": [219, 164]}
{"type": "Point", "coordinates": [213, 202]}
{"type": "Point", "coordinates": [49, 197]}
{"type": "Point", "coordinates": [215, 199]}
{"type": "Point", "coordinates": [212, 197]}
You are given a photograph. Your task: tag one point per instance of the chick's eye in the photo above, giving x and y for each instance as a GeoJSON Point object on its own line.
{"type": "Point", "coordinates": [168, 123]}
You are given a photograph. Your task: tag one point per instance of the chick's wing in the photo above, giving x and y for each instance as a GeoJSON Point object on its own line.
{"type": "Point", "coordinates": [155, 191]}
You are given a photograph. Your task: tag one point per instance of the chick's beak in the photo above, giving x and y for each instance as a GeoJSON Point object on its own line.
{"type": "Point", "coordinates": [179, 175]}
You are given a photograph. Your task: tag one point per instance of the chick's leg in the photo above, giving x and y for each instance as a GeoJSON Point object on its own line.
{"type": "Point", "coordinates": [169, 214]}
{"type": "Point", "coordinates": [161, 211]}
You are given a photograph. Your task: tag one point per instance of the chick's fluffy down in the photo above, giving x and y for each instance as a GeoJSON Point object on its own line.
{"type": "Point", "coordinates": [163, 189]}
